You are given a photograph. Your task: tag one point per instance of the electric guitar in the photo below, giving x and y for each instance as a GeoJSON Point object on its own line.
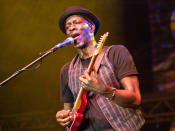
{"type": "Point", "coordinates": [81, 100]}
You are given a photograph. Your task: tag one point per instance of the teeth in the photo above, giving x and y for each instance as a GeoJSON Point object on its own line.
{"type": "Point", "coordinates": [75, 35]}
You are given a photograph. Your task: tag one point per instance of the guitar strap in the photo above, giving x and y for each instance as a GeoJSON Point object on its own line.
{"type": "Point", "coordinates": [96, 66]}
{"type": "Point", "coordinates": [99, 59]}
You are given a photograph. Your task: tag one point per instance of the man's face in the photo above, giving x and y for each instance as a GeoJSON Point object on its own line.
{"type": "Point", "coordinates": [80, 29]}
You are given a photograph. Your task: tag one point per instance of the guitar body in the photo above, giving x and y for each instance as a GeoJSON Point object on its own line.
{"type": "Point", "coordinates": [78, 115]}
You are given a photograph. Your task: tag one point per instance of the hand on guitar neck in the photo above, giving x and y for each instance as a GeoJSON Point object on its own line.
{"type": "Point", "coordinates": [94, 83]}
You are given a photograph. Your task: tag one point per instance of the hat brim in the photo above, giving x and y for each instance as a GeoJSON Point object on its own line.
{"type": "Point", "coordinates": [78, 11]}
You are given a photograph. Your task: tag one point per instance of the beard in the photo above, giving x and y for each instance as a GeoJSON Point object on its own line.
{"type": "Point", "coordinates": [82, 43]}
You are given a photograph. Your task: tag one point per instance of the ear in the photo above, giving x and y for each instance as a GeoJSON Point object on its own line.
{"type": "Point", "coordinates": [92, 27]}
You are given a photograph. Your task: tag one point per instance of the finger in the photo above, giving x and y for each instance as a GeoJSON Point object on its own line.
{"type": "Point", "coordinates": [86, 73]}
{"type": "Point", "coordinates": [83, 76]}
{"type": "Point", "coordinates": [65, 124]}
{"type": "Point", "coordinates": [71, 114]}
{"type": "Point", "coordinates": [68, 111]}
{"type": "Point", "coordinates": [94, 69]}
{"type": "Point", "coordinates": [83, 79]}
{"type": "Point", "coordinates": [62, 114]}
{"type": "Point", "coordinates": [65, 120]}
{"type": "Point", "coordinates": [94, 74]}
{"type": "Point", "coordinates": [82, 84]}
{"type": "Point", "coordinates": [59, 115]}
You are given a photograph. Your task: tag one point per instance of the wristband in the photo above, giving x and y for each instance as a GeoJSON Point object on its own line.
{"type": "Point", "coordinates": [112, 95]}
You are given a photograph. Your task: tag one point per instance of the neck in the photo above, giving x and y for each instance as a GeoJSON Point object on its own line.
{"type": "Point", "coordinates": [88, 50]}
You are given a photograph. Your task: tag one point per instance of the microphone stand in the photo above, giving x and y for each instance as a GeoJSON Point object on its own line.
{"type": "Point", "coordinates": [32, 63]}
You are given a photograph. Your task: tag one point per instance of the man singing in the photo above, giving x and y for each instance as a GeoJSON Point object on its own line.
{"type": "Point", "coordinates": [114, 95]}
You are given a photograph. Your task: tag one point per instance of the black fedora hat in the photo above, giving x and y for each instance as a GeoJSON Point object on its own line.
{"type": "Point", "coordinates": [75, 10]}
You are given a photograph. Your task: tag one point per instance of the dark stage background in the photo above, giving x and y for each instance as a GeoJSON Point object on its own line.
{"type": "Point", "coordinates": [29, 27]}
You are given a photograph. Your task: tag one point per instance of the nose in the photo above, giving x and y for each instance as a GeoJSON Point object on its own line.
{"type": "Point", "coordinates": [72, 27]}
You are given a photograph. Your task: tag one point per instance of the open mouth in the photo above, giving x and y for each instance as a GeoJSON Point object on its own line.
{"type": "Point", "coordinates": [75, 35]}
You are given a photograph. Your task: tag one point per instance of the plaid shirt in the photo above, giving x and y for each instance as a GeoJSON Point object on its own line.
{"type": "Point", "coordinates": [120, 118]}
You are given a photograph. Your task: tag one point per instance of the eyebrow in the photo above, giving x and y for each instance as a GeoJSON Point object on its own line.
{"type": "Point", "coordinates": [69, 23]}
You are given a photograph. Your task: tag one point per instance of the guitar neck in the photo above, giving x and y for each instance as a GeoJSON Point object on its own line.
{"type": "Point", "coordinates": [90, 67]}
{"type": "Point", "coordinates": [79, 97]}
{"type": "Point", "coordinates": [98, 49]}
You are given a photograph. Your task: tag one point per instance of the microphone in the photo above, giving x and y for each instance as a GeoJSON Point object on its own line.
{"type": "Point", "coordinates": [68, 41]}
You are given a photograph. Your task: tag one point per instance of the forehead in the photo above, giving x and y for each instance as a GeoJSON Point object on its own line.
{"type": "Point", "coordinates": [74, 17]}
